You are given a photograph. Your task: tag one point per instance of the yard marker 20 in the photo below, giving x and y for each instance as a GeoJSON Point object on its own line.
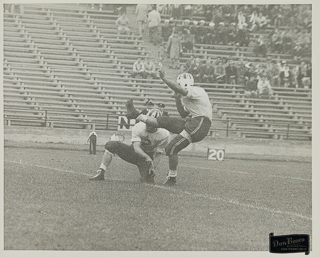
{"type": "Point", "coordinates": [215, 154]}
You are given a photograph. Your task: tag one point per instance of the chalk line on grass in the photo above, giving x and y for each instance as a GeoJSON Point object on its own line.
{"type": "Point", "coordinates": [204, 196]}
{"type": "Point", "coordinates": [247, 173]}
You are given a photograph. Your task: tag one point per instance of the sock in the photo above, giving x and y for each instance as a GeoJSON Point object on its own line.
{"type": "Point", "coordinates": [103, 166]}
{"type": "Point", "coordinates": [172, 173]}
{"type": "Point", "coordinates": [142, 118]}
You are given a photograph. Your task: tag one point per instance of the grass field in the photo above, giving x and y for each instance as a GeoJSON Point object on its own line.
{"type": "Point", "coordinates": [231, 205]}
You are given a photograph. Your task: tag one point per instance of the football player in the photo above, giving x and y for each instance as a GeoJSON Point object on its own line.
{"type": "Point", "coordinates": [193, 105]}
{"type": "Point", "coordinates": [144, 152]}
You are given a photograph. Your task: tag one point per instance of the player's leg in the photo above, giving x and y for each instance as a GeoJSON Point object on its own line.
{"type": "Point", "coordinates": [124, 151]}
{"type": "Point", "coordinates": [175, 145]}
{"type": "Point", "coordinates": [196, 128]}
{"type": "Point", "coordinates": [132, 113]}
{"type": "Point", "coordinates": [172, 124]}
{"type": "Point", "coordinates": [106, 160]}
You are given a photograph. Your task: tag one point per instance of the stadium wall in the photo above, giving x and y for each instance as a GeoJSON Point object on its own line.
{"type": "Point", "coordinates": [234, 147]}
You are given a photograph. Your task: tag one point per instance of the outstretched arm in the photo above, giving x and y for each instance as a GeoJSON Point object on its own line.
{"type": "Point", "coordinates": [140, 152]}
{"type": "Point", "coordinates": [172, 84]}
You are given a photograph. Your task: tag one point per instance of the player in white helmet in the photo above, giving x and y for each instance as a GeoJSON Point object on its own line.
{"type": "Point", "coordinates": [195, 109]}
{"type": "Point", "coordinates": [144, 152]}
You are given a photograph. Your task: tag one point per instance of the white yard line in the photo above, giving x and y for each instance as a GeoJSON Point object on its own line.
{"type": "Point", "coordinates": [204, 196]}
{"type": "Point", "coordinates": [244, 172]}
{"type": "Point", "coordinates": [235, 202]}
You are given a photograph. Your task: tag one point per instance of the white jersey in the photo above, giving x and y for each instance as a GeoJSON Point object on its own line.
{"type": "Point", "coordinates": [197, 102]}
{"type": "Point", "coordinates": [150, 142]}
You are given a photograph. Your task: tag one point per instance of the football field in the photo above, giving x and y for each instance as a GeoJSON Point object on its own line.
{"type": "Point", "coordinates": [49, 203]}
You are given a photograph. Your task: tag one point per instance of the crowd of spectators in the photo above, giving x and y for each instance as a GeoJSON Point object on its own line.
{"type": "Point", "coordinates": [144, 69]}
{"type": "Point", "coordinates": [242, 25]}
{"type": "Point", "coordinates": [257, 80]}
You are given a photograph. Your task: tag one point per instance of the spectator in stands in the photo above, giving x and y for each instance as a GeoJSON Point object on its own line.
{"type": "Point", "coordinates": [188, 10]}
{"type": "Point", "coordinates": [278, 20]}
{"type": "Point", "coordinates": [231, 73]}
{"type": "Point", "coordinates": [201, 32]}
{"type": "Point", "coordinates": [241, 70]}
{"type": "Point", "coordinates": [304, 75]}
{"type": "Point", "coordinates": [189, 63]}
{"type": "Point", "coordinates": [194, 29]}
{"type": "Point", "coordinates": [195, 70]}
{"type": "Point", "coordinates": [220, 73]}
{"type": "Point", "coordinates": [250, 88]}
{"type": "Point", "coordinates": [287, 42]}
{"type": "Point", "coordinates": [176, 11]}
{"type": "Point", "coordinates": [218, 60]}
{"type": "Point", "coordinates": [209, 37]}
{"type": "Point", "coordinates": [187, 42]}
{"type": "Point", "coordinates": [166, 31]}
{"type": "Point", "coordinates": [261, 21]}
{"type": "Point", "coordinates": [264, 87]}
{"type": "Point", "coordinates": [231, 34]}
{"type": "Point", "coordinates": [273, 73]}
{"type": "Point", "coordinates": [148, 106]}
{"type": "Point", "coordinates": [207, 72]}
{"type": "Point", "coordinates": [141, 16]}
{"type": "Point", "coordinates": [154, 20]}
{"type": "Point", "coordinates": [162, 106]}
{"type": "Point", "coordinates": [185, 26]}
{"type": "Point", "coordinates": [297, 52]}
{"type": "Point", "coordinates": [260, 47]}
{"type": "Point", "coordinates": [242, 36]}
{"type": "Point", "coordinates": [207, 12]}
{"type": "Point", "coordinates": [225, 62]}
{"type": "Point", "coordinates": [150, 69]}
{"type": "Point", "coordinates": [13, 8]}
{"type": "Point", "coordinates": [250, 72]}
{"type": "Point", "coordinates": [253, 20]}
{"type": "Point", "coordinates": [241, 20]}
{"type": "Point", "coordinates": [138, 69]}
{"type": "Point", "coordinates": [123, 24]}
{"type": "Point", "coordinates": [174, 47]}
{"type": "Point", "coordinates": [161, 53]}
{"type": "Point", "coordinates": [282, 65]}
{"type": "Point", "coordinates": [221, 36]}
{"type": "Point", "coordinates": [276, 42]}
{"type": "Point", "coordinates": [285, 76]}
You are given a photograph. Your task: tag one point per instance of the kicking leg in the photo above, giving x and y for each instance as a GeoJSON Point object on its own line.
{"type": "Point", "coordinates": [132, 113]}
{"type": "Point", "coordinates": [176, 145]}
{"type": "Point", "coordinates": [172, 124]}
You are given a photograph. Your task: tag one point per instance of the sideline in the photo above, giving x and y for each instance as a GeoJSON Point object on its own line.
{"type": "Point", "coordinates": [195, 195]}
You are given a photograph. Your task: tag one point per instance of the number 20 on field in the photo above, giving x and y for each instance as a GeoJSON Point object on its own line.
{"type": "Point", "coordinates": [216, 154]}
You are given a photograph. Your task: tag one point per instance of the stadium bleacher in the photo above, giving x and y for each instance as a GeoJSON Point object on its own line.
{"type": "Point", "coordinates": [68, 67]}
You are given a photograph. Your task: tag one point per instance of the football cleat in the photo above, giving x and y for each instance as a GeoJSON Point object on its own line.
{"type": "Point", "coordinates": [99, 175]}
{"type": "Point", "coordinates": [170, 181]}
{"type": "Point", "coordinates": [132, 113]}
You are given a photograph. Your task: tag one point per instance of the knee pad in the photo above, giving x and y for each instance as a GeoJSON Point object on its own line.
{"type": "Point", "coordinates": [111, 146]}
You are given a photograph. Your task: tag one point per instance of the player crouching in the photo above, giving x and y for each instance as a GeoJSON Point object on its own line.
{"type": "Point", "coordinates": [195, 109]}
{"type": "Point", "coordinates": [144, 152]}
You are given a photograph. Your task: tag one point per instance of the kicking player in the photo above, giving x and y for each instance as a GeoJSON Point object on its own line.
{"type": "Point", "coordinates": [193, 105]}
{"type": "Point", "coordinates": [145, 150]}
